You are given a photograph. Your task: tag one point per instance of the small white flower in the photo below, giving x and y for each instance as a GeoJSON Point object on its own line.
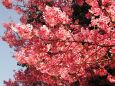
{"type": "Point", "coordinates": [14, 28]}
{"type": "Point", "coordinates": [45, 28]}
{"type": "Point", "coordinates": [29, 26]}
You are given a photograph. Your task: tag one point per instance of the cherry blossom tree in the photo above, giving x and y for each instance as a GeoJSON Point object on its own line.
{"type": "Point", "coordinates": [63, 42]}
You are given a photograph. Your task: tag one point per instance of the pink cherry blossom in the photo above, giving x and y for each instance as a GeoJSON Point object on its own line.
{"type": "Point", "coordinates": [54, 16]}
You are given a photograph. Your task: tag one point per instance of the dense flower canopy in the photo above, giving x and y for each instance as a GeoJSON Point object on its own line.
{"type": "Point", "coordinates": [63, 42]}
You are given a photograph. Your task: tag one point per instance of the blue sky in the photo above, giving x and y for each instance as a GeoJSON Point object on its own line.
{"type": "Point", "coordinates": [7, 63]}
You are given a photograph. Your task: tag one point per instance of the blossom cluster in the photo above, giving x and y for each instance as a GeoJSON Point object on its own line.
{"type": "Point", "coordinates": [7, 3]}
{"type": "Point", "coordinates": [54, 16]}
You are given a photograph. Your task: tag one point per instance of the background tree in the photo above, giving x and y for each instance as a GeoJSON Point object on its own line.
{"type": "Point", "coordinates": [63, 42]}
